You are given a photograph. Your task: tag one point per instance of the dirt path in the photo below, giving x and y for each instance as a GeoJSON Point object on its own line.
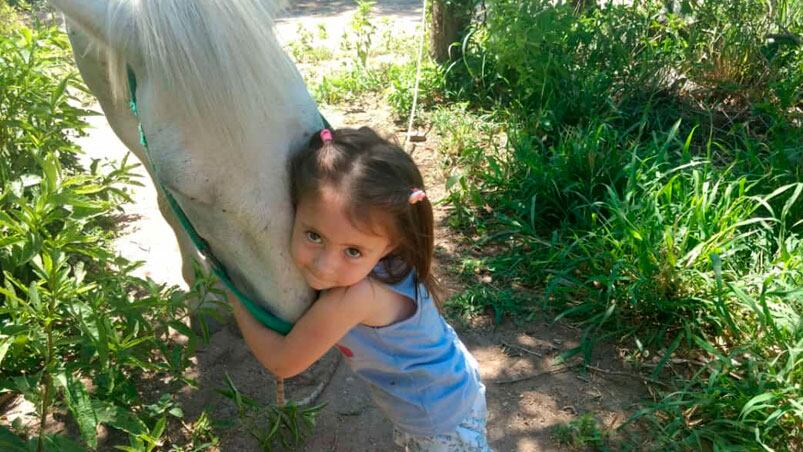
{"type": "Point", "coordinates": [522, 413]}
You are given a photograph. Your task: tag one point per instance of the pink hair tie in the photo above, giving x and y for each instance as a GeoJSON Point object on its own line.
{"type": "Point", "coordinates": [326, 135]}
{"type": "Point", "coordinates": [416, 195]}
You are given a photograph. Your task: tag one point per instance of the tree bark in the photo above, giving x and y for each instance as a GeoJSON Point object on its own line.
{"type": "Point", "coordinates": [449, 22]}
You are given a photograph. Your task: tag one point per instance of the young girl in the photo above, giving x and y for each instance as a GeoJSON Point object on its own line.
{"type": "Point", "coordinates": [363, 237]}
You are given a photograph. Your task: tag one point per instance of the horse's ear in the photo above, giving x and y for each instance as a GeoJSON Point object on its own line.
{"type": "Point", "coordinates": [95, 18]}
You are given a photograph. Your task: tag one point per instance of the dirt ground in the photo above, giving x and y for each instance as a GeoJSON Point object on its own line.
{"type": "Point", "coordinates": [528, 394]}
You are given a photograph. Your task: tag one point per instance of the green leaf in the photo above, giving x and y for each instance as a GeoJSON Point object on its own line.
{"type": "Point", "coordinates": [10, 240]}
{"type": "Point", "coordinates": [756, 404]}
{"type": "Point", "coordinates": [51, 173]}
{"type": "Point", "coordinates": [56, 443]}
{"type": "Point", "coordinates": [453, 180]}
{"type": "Point", "coordinates": [102, 341]}
{"type": "Point", "coordinates": [89, 189]}
{"type": "Point", "coordinates": [791, 201]}
{"type": "Point", "coordinates": [9, 442]}
{"type": "Point", "coordinates": [119, 418]}
{"type": "Point", "coordinates": [56, 94]}
{"type": "Point", "coordinates": [33, 296]}
{"type": "Point", "coordinates": [176, 412]}
{"type": "Point", "coordinates": [159, 428]}
{"type": "Point", "coordinates": [5, 343]}
{"type": "Point", "coordinates": [181, 328]}
{"type": "Point", "coordinates": [667, 355]}
{"type": "Point", "coordinates": [80, 405]}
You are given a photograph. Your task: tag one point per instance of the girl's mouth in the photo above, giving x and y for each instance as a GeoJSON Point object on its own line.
{"type": "Point", "coordinates": [315, 282]}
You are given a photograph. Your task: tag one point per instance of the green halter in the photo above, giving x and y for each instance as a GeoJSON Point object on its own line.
{"type": "Point", "coordinates": [264, 316]}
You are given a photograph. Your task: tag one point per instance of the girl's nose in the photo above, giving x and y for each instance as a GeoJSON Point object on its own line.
{"type": "Point", "coordinates": [326, 264]}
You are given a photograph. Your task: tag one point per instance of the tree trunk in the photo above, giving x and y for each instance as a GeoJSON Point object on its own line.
{"type": "Point", "coordinates": [449, 22]}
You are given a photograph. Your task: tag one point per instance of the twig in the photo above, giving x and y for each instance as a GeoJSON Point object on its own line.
{"type": "Point", "coordinates": [627, 374]}
{"type": "Point", "coordinates": [590, 367]}
{"type": "Point", "coordinates": [529, 377]}
{"type": "Point", "coordinates": [279, 391]}
{"type": "Point", "coordinates": [522, 349]}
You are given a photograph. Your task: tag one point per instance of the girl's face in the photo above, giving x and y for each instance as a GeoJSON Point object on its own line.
{"type": "Point", "coordinates": [328, 249]}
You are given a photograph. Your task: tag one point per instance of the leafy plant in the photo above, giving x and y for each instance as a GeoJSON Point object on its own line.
{"type": "Point", "coordinates": [76, 329]}
{"type": "Point", "coordinates": [304, 50]}
{"type": "Point", "coordinates": [582, 432]}
{"type": "Point", "coordinates": [9, 18]}
{"type": "Point", "coordinates": [361, 34]}
{"type": "Point", "coordinates": [402, 87]}
{"type": "Point", "coordinates": [287, 426]}
{"type": "Point", "coordinates": [347, 85]}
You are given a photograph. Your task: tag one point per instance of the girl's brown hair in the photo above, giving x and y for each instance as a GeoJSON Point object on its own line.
{"type": "Point", "coordinates": [377, 178]}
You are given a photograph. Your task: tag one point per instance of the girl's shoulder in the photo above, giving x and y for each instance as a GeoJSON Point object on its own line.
{"type": "Point", "coordinates": [384, 307]}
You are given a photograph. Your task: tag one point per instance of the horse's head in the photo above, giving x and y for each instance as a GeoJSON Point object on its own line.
{"type": "Point", "coordinates": [222, 108]}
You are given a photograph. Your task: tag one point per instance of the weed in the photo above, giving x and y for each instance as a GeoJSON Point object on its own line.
{"type": "Point", "coordinates": [362, 31]}
{"type": "Point", "coordinates": [581, 433]}
{"type": "Point", "coordinates": [202, 434]}
{"type": "Point", "coordinates": [402, 87]}
{"type": "Point", "coordinates": [287, 426]}
{"type": "Point", "coordinates": [347, 85]}
{"type": "Point", "coordinates": [9, 18]}
{"type": "Point", "coordinates": [303, 49]}
{"type": "Point", "coordinates": [501, 302]}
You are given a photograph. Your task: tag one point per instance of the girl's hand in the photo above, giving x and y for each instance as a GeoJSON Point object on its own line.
{"type": "Point", "coordinates": [328, 319]}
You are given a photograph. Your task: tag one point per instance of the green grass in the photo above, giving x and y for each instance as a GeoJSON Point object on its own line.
{"type": "Point", "coordinates": [581, 433]}
{"type": "Point", "coordinates": [643, 171]}
{"type": "Point", "coordinates": [348, 85]}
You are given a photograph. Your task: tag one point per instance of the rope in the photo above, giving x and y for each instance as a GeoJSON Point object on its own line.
{"type": "Point", "coordinates": [417, 73]}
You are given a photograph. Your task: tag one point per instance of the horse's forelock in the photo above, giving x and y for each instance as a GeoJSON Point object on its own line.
{"type": "Point", "coordinates": [212, 59]}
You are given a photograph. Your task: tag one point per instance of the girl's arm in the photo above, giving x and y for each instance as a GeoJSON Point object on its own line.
{"type": "Point", "coordinates": [329, 319]}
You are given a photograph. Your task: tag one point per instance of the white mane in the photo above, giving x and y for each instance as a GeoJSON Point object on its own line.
{"type": "Point", "coordinates": [218, 60]}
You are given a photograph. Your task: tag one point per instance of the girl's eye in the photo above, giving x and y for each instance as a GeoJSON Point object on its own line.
{"type": "Point", "coordinates": [353, 252]}
{"type": "Point", "coordinates": [313, 237]}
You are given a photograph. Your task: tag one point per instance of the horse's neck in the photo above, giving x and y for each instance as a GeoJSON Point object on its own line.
{"type": "Point", "coordinates": [217, 56]}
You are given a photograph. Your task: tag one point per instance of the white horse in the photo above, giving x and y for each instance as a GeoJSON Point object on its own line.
{"type": "Point", "coordinates": [222, 108]}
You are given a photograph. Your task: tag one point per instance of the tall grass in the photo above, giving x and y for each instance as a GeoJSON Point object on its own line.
{"type": "Point", "coordinates": [646, 176]}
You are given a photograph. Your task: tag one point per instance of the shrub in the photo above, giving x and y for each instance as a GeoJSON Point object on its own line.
{"type": "Point", "coordinates": [402, 87]}
{"type": "Point", "coordinates": [9, 19]}
{"type": "Point", "coordinates": [76, 330]}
